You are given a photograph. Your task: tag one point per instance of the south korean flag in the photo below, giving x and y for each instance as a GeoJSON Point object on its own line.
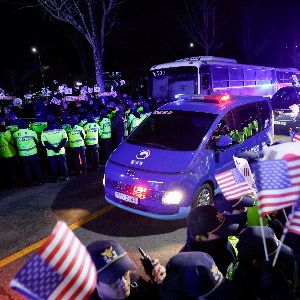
{"type": "Point", "coordinates": [244, 168]}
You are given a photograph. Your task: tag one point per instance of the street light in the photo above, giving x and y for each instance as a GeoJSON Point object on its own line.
{"type": "Point", "coordinates": [35, 51]}
{"type": "Point", "coordinates": [191, 45]}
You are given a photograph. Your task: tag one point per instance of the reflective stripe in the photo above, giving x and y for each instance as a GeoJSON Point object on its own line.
{"type": "Point", "coordinates": [90, 138]}
{"type": "Point", "coordinates": [53, 130]}
{"type": "Point", "coordinates": [25, 137]}
{"type": "Point", "coordinates": [76, 141]}
{"type": "Point", "coordinates": [28, 149]}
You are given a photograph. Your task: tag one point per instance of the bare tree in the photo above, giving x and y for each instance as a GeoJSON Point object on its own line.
{"type": "Point", "coordinates": [202, 25]}
{"type": "Point", "coordinates": [95, 19]}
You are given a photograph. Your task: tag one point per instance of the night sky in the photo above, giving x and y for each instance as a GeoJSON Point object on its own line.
{"type": "Point", "coordinates": [148, 32]}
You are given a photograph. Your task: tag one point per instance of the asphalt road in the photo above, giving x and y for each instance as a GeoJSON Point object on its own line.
{"type": "Point", "coordinates": [28, 215]}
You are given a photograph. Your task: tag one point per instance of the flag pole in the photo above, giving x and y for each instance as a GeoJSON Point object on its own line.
{"type": "Point", "coordinates": [287, 225]}
{"type": "Point", "coordinates": [284, 212]}
{"type": "Point", "coordinates": [263, 237]}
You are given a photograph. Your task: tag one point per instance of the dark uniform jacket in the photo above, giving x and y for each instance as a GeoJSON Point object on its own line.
{"type": "Point", "coordinates": [139, 290]}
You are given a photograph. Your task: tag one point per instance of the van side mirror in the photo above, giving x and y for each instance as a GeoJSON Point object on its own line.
{"type": "Point", "coordinates": [223, 142]}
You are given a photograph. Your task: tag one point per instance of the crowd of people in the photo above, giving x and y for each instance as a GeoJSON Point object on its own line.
{"type": "Point", "coordinates": [63, 138]}
{"type": "Point", "coordinates": [223, 258]}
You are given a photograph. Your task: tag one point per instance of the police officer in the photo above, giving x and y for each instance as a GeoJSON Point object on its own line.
{"type": "Point", "coordinates": [116, 277]}
{"type": "Point", "coordinates": [83, 119]}
{"type": "Point", "coordinates": [255, 278]}
{"type": "Point", "coordinates": [12, 123]}
{"type": "Point", "coordinates": [76, 136]}
{"type": "Point", "coordinates": [105, 136]}
{"type": "Point", "coordinates": [8, 160]}
{"type": "Point", "coordinates": [92, 130]}
{"type": "Point", "coordinates": [208, 231]}
{"type": "Point", "coordinates": [126, 118]}
{"type": "Point", "coordinates": [117, 124]}
{"type": "Point", "coordinates": [145, 112]}
{"type": "Point", "coordinates": [38, 125]}
{"type": "Point", "coordinates": [195, 275]}
{"type": "Point", "coordinates": [26, 140]}
{"type": "Point", "coordinates": [134, 119]}
{"type": "Point", "coordinates": [66, 125]}
{"type": "Point", "coordinates": [54, 139]}
{"type": "Point", "coordinates": [65, 121]}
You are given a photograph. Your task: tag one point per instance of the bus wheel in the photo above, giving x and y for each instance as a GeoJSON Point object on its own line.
{"type": "Point", "coordinates": [204, 196]}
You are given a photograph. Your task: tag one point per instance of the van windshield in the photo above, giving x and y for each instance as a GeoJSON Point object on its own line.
{"type": "Point", "coordinates": [172, 130]}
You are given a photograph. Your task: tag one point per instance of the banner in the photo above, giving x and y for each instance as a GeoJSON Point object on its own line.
{"type": "Point", "coordinates": [74, 98]}
{"type": "Point", "coordinates": [7, 97]}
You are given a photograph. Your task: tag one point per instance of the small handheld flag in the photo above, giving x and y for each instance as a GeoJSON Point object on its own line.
{"type": "Point", "coordinates": [243, 166]}
{"type": "Point", "coordinates": [278, 183]}
{"type": "Point", "coordinates": [233, 185]}
{"type": "Point", "coordinates": [61, 269]}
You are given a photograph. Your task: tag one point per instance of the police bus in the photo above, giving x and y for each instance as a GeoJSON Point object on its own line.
{"type": "Point", "coordinates": [216, 75]}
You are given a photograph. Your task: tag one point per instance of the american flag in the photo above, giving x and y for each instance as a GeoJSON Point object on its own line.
{"type": "Point", "coordinates": [295, 136]}
{"type": "Point", "coordinates": [233, 185]}
{"type": "Point", "coordinates": [294, 221]}
{"type": "Point", "coordinates": [61, 269]}
{"type": "Point", "coordinates": [278, 183]}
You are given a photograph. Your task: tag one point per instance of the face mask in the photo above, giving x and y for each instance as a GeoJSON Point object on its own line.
{"type": "Point", "coordinates": [208, 245]}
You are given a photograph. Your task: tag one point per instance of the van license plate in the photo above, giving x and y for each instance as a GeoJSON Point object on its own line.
{"type": "Point", "coordinates": [126, 198]}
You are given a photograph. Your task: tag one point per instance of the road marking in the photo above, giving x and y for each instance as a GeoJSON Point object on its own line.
{"type": "Point", "coordinates": [38, 244]}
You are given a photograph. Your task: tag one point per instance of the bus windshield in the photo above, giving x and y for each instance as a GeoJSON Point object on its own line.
{"type": "Point", "coordinates": [172, 130]}
{"type": "Point", "coordinates": [172, 81]}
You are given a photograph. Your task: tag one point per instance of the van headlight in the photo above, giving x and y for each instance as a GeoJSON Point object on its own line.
{"type": "Point", "coordinates": [103, 180]}
{"type": "Point", "coordinates": [173, 197]}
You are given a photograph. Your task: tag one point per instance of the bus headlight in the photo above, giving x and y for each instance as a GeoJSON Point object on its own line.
{"type": "Point", "coordinates": [173, 197]}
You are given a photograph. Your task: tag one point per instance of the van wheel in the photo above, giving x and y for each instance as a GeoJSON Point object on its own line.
{"type": "Point", "coordinates": [204, 196]}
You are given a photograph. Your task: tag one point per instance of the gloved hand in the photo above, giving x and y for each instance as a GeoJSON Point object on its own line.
{"type": "Point", "coordinates": [50, 146]}
{"type": "Point", "coordinates": [57, 149]}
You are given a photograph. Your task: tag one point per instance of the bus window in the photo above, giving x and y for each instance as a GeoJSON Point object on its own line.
{"type": "Point", "coordinates": [160, 87]}
{"type": "Point", "coordinates": [249, 76]}
{"type": "Point", "coordinates": [270, 76]}
{"type": "Point", "coordinates": [219, 76]}
{"type": "Point", "coordinates": [284, 77]}
{"type": "Point", "coordinates": [182, 80]}
{"type": "Point", "coordinates": [236, 76]}
{"type": "Point", "coordinates": [260, 76]}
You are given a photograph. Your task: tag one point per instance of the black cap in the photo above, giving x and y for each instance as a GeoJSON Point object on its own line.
{"type": "Point", "coordinates": [110, 259]}
{"type": "Point", "coordinates": [191, 274]}
{"type": "Point", "coordinates": [224, 205]}
{"type": "Point", "coordinates": [250, 245]}
{"type": "Point", "coordinates": [207, 219]}
{"type": "Point", "coordinates": [51, 119]}
{"type": "Point", "coordinates": [22, 124]}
